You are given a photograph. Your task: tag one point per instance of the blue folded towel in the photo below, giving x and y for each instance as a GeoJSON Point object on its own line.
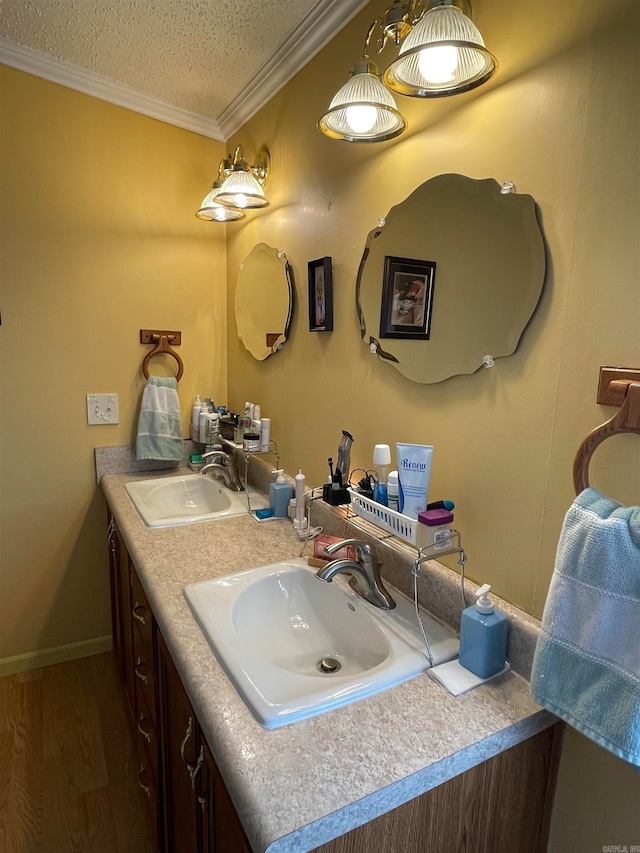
{"type": "Point", "coordinates": [586, 667]}
{"type": "Point", "coordinates": [159, 425]}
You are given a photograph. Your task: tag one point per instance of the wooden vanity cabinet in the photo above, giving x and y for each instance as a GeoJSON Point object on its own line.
{"type": "Point", "coordinates": [503, 804]}
{"type": "Point", "coordinates": [199, 814]}
{"type": "Point", "coordinates": [189, 804]}
{"type": "Point", "coordinates": [134, 646]}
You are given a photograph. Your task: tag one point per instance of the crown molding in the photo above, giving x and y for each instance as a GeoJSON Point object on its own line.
{"type": "Point", "coordinates": [324, 21]}
{"type": "Point", "coordinates": [74, 77]}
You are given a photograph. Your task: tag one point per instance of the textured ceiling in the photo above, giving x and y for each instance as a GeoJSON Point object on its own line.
{"type": "Point", "coordinates": [198, 55]}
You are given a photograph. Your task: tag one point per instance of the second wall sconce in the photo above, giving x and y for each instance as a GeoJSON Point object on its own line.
{"type": "Point", "coordinates": [239, 186]}
{"type": "Point", "coordinates": [442, 53]}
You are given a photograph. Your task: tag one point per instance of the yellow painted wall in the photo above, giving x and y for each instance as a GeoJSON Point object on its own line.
{"type": "Point", "coordinates": [504, 438]}
{"type": "Point", "coordinates": [560, 119]}
{"type": "Point", "coordinates": [99, 240]}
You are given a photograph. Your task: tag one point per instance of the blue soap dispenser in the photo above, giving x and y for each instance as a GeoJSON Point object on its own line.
{"type": "Point", "coordinates": [280, 493]}
{"type": "Point", "coordinates": [483, 636]}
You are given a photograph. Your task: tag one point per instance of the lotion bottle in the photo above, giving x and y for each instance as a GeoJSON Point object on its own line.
{"type": "Point", "coordinates": [280, 493]}
{"type": "Point", "coordinates": [483, 636]}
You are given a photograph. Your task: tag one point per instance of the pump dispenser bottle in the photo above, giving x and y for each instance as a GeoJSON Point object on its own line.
{"type": "Point", "coordinates": [483, 636]}
{"type": "Point", "coordinates": [280, 494]}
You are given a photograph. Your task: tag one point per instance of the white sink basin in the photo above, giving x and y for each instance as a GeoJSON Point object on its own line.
{"type": "Point", "coordinates": [271, 627]}
{"type": "Point", "coordinates": [167, 501]}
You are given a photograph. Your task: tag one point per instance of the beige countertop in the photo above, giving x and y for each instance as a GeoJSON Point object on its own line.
{"type": "Point", "coordinates": [306, 783]}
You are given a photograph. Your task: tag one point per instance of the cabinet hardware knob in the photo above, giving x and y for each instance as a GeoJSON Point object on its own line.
{"type": "Point", "coordinates": [145, 788]}
{"type": "Point", "coordinates": [195, 769]}
{"type": "Point", "coordinates": [138, 606]}
{"type": "Point", "coordinates": [183, 746]}
{"type": "Point", "coordinates": [147, 735]}
{"type": "Point", "coordinates": [111, 535]}
{"type": "Point", "coordinates": [143, 678]}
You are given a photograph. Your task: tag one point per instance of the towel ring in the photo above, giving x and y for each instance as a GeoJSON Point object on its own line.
{"type": "Point", "coordinates": [162, 346]}
{"type": "Point", "coordinates": [626, 420]}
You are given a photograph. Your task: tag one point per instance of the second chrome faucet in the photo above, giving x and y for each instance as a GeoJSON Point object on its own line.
{"type": "Point", "coordinates": [222, 466]}
{"type": "Point", "coordinates": [364, 573]}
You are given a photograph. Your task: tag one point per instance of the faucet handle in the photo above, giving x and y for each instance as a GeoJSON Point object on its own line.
{"type": "Point", "coordinates": [362, 549]}
{"type": "Point", "coordinates": [218, 456]}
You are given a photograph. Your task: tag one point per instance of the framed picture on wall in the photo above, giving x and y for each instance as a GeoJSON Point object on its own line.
{"type": "Point", "coordinates": [320, 295]}
{"type": "Point", "coordinates": [407, 298]}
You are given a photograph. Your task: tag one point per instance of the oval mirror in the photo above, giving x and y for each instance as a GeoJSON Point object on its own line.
{"type": "Point", "coordinates": [452, 276]}
{"type": "Point", "coordinates": [264, 301]}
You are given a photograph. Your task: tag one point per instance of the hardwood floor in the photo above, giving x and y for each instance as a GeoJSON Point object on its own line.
{"type": "Point", "coordinates": [68, 774]}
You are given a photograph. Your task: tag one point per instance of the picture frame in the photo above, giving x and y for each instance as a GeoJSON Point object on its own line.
{"type": "Point", "coordinates": [320, 295]}
{"type": "Point", "coordinates": [407, 298]}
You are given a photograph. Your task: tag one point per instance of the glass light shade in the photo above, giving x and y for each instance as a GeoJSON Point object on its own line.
{"type": "Point", "coordinates": [362, 110]}
{"type": "Point", "coordinates": [443, 54]}
{"type": "Point", "coordinates": [211, 211]}
{"type": "Point", "coordinates": [241, 190]}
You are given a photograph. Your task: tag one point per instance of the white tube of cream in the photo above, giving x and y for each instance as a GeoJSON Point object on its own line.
{"type": "Point", "coordinates": [414, 470]}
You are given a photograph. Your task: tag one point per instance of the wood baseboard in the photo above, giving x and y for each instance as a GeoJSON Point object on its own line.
{"type": "Point", "coordinates": [58, 654]}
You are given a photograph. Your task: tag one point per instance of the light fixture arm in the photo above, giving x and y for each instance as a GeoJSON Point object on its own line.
{"type": "Point", "coordinates": [379, 44]}
{"type": "Point", "coordinates": [400, 18]}
{"type": "Point", "coordinates": [260, 170]}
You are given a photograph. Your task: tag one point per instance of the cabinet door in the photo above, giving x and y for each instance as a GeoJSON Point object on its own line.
{"type": "Point", "coordinates": [120, 566]}
{"type": "Point", "coordinates": [199, 815]}
{"type": "Point", "coordinates": [224, 830]}
{"type": "Point", "coordinates": [180, 760]}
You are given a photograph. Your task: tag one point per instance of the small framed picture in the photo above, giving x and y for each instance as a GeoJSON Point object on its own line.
{"type": "Point", "coordinates": [407, 298]}
{"type": "Point", "coordinates": [320, 296]}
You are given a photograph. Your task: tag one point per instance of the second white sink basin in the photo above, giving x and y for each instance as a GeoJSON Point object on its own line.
{"type": "Point", "coordinates": [167, 501]}
{"type": "Point", "coordinates": [294, 646]}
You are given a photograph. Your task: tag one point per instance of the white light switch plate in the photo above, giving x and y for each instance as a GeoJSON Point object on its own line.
{"type": "Point", "coordinates": [102, 409]}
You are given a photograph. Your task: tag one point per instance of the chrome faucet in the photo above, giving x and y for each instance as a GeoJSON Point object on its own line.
{"type": "Point", "coordinates": [365, 575]}
{"type": "Point", "coordinates": [222, 467]}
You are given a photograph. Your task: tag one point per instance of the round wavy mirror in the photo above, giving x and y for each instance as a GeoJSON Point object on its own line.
{"type": "Point", "coordinates": [453, 275]}
{"type": "Point", "coordinates": [264, 301]}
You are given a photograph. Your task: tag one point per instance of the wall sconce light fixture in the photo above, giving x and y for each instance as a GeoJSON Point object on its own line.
{"type": "Point", "coordinates": [441, 53]}
{"type": "Point", "coordinates": [210, 209]}
{"type": "Point", "coordinates": [239, 186]}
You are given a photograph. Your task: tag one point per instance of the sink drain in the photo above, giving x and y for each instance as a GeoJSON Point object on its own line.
{"type": "Point", "coordinates": [328, 665]}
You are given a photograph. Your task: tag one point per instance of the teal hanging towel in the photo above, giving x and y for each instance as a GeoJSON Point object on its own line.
{"type": "Point", "coordinates": [159, 426]}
